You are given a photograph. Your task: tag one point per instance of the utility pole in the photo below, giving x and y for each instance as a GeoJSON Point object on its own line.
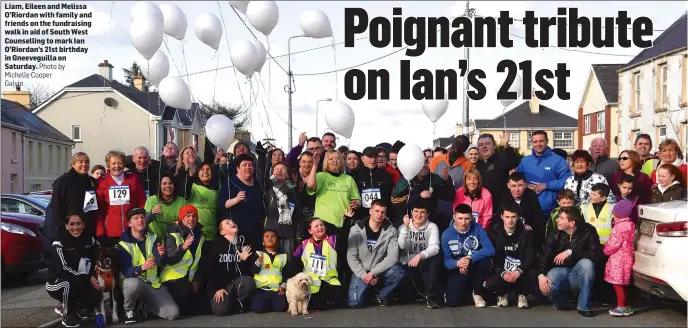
{"type": "Point", "coordinates": [466, 102]}
{"type": "Point", "coordinates": [290, 87]}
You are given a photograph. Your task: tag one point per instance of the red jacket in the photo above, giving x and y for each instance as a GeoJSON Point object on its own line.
{"type": "Point", "coordinates": [396, 174]}
{"type": "Point", "coordinates": [112, 219]}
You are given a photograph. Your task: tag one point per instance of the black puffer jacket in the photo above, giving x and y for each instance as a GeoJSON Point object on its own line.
{"type": "Point", "coordinates": [69, 193]}
{"type": "Point", "coordinates": [531, 212]}
{"type": "Point", "coordinates": [366, 178]}
{"type": "Point", "coordinates": [495, 174]}
{"type": "Point", "coordinates": [222, 264]}
{"type": "Point", "coordinates": [150, 177]}
{"type": "Point", "coordinates": [524, 247]}
{"type": "Point", "coordinates": [584, 244]}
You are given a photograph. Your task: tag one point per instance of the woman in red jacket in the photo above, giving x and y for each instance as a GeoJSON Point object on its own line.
{"type": "Point", "coordinates": [117, 192]}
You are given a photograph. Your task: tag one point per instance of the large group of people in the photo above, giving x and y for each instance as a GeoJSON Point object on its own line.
{"type": "Point", "coordinates": [224, 235]}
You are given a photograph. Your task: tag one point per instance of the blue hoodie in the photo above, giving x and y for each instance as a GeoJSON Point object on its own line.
{"type": "Point", "coordinates": [125, 266]}
{"type": "Point", "coordinates": [550, 169]}
{"type": "Point", "coordinates": [456, 251]}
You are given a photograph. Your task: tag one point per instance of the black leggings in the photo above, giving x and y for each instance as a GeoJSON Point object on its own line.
{"type": "Point", "coordinates": [75, 293]}
{"type": "Point", "coordinates": [343, 270]}
{"type": "Point", "coordinates": [328, 297]}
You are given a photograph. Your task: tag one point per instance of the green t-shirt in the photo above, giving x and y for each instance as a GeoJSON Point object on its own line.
{"type": "Point", "coordinates": [205, 201]}
{"type": "Point", "coordinates": [169, 214]}
{"type": "Point", "coordinates": [332, 196]}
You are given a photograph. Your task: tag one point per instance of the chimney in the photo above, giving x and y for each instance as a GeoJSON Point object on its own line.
{"type": "Point", "coordinates": [105, 70]}
{"type": "Point", "coordinates": [534, 104]}
{"type": "Point", "coordinates": [21, 97]}
{"type": "Point", "coordinates": [138, 81]}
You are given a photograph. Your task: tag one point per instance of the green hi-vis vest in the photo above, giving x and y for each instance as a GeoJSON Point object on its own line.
{"type": "Point", "coordinates": [320, 267]}
{"type": "Point", "coordinates": [188, 263]}
{"type": "Point", "coordinates": [205, 201]}
{"type": "Point", "coordinates": [270, 275]}
{"type": "Point", "coordinates": [137, 258]}
{"type": "Point", "coordinates": [169, 213]}
{"type": "Point", "coordinates": [649, 166]}
{"type": "Point", "coordinates": [603, 223]}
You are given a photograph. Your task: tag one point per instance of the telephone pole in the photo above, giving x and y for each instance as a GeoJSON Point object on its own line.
{"type": "Point", "coordinates": [466, 52]}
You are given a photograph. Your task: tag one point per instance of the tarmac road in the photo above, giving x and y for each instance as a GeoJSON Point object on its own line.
{"type": "Point", "coordinates": [26, 303]}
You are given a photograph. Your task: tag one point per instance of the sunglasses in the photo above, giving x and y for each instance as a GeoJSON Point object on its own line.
{"type": "Point", "coordinates": [625, 158]}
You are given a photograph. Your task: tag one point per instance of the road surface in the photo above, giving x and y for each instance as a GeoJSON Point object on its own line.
{"type": "Point", "coordinates": [26, 303]}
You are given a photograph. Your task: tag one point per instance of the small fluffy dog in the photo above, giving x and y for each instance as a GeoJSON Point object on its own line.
{"type": "Point", "coordinates": [299, 293]}
{"type": "Point", "coordinates": [105, 272]}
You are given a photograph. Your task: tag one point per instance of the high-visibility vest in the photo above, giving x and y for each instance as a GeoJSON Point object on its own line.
{"type": "Point", "coordinates": [187, 265]}
{"type": "Point", "coordinates": [331, 265]}
{"type": "Point", "coordinates": [602, 223]}
{"type": "Point", "coordinates": [270, 275]}
{"type": "Point", "coordinates": [649, 166]}
{"type": "Point", "coordinates": [137, 258]}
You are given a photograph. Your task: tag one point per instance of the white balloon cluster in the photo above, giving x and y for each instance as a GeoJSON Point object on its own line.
{"type": "Point", "coordinates": [340, 118]}
{"type": "Point", "coordinates": [434, 109]}
{"type": "Point", "coordinates": [410, 161]}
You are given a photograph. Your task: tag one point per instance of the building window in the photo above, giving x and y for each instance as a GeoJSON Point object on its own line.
{"type": "Point", "coordinates": [30, 155]}
{"type": "Point", "coordinates": [600, 121]}
{"type": "Point", "coordinates": [14, 145]}
{"type": "Point", "coordinates": [40, 157]}
{"type": "Point", "coordinates": [563, 140]}
{"type": "Point", "coordinates": [587, 123]}
{"type": "Point", "coordinates": [663, 71]}
{"type": "Point", "coordinates": [35, 187]}
{"type": "Point", "coordinates": [529, 136]}
{"type": "Point", "coordinates": [59, 159]}
{"type": "Point", "coordinates": [13, 181]}
{"type": "Point", "coordinates": [76, 132]}
{"type": "Point", "coordinates": [50, 158]}
{"type": "Point", "coordinates": [636, 92]}
{"type": "Point", "coordinates": [662, 133]}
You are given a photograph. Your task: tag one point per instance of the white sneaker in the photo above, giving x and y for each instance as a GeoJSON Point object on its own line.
{"type": "Point", "coordinates": [479, 301]}
{"type": "Point", "coordinates": [522, 302]}
{"type": "Point", "coordinates": [502, 301]}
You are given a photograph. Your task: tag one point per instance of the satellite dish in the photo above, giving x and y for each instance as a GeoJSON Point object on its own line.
{"type": "Point", "coordinates": [110, 102]}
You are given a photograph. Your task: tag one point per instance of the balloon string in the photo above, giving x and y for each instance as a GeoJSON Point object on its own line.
{"type": "Point", "coordinates": [254, 100]}
{"type": "Point", "coordinates": [336, 75]}
{"type": "Point", "coordinates": [188, 79]}
{"type": "Point", "coordinates": [236, 76]}
{"type": "Point", "coordinates": [169, 53]}
{"type": "Point", "coordinates": [217, 65]}
{"type": "Point", "coordinates": [267, 39]}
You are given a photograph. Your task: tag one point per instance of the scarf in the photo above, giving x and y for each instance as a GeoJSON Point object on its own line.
{"type": "Point", "coordinates": [579, 182]}
{"type": "Point", "coordinates": [280, 189]}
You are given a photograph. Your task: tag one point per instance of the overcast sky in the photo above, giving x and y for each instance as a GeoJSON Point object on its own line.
{"type": "Point", "coordinates": [376, 121]}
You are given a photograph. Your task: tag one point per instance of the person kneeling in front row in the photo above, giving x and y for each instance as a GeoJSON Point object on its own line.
{"type": "Point", "coordinates": [514, 261]}
{"type": "Point", "coordinates": [372, 254]}
{"type": "Point", "coordinates": [467, 254]}
{"type": "Point", "coordinates": [568, 261]}
{"type": "Point", "coordinates": [271, 270]}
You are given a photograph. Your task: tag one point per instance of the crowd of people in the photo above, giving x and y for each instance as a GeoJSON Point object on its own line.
{"type": "Point", "coordinates": [224, 235]}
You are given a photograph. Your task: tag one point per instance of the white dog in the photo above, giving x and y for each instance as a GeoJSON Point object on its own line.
{"type": "Point", "coordinates": [299, 293]}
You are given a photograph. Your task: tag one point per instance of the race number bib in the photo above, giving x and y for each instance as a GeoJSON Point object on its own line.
{"type": "Point", "coordinates": [119, 195]}
{"type": "Point", "coordinates": [147, 193]}
{"type": "Point", "coordinates": [90, 201]}
{"type": "Point", "coordinates": [511, 264]}
{"type": "Point", "coordinates": [369, 195]}
{"type": "Point", "coordinates": [84, 265]}
{"type": "Point", "coordinates": [318, 265]}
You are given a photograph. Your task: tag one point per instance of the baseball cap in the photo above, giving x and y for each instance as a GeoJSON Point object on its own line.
{"type": "Point", "coordinates": [135, 211]}
{"type": "Point", "coordinates": [370, 152]}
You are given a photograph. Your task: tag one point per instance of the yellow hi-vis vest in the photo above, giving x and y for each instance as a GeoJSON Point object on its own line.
{"type": "Point", "coordinates": [188, 263]}
{"type": "Point", "coordinates": [320, 267]}
{"type": "Point", "coordinates": [603, 223]}
{"type": "Point", "coordinates": [649, 166]}
{"type": "Point", "coordinates": [137, 258]}
{"type": "Point", "coordinates": [270, 275]}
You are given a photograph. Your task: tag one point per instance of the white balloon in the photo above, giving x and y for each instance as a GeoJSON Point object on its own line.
{"type": "Point", "coordinates": [434, 109]}
{"type": "Point", "coordinates": [174, 93]}
{"type": "Point", "coordinates": [240, 5]}
{"type": "Point", "coordinates": [516, 86]}
{"type": "Point", "coordinates": [146, 9]}
{"type": "Point", "coordinates": [410, 161]}
{"type": "Point", "coordinates": [174, 21]}
{"type": "Point", "coordinates": [156, 68]}
{"type": "Point", "coordinates": [219, 129]}
{"type": "Point", "coordinates": [315, 24]}
{"type": "Point", "coordinates": [260, 52]}
{"type": "Point", "coordinates": [146, 36]}
{"type": "Point", "coordinates": [209, 30]}
{"type": "Point", "coordinates": [340, 118]}
{"type": "Point", "coordinates": [263, 15]}
{"type": "Point", "coordinates": [244, 57]}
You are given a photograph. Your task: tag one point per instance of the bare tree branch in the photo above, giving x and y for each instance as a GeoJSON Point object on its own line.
{"type": "Point", "coordinates": [240, 115]}
{"type": "Point", "coordinates": [39, 94]}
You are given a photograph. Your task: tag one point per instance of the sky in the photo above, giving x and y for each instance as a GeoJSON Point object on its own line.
{"type": "Point", "coordinates": [376, 121]}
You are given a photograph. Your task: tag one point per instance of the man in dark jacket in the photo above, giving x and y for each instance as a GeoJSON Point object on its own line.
{"type": "Point", "coordinates": [146, 168]}
{"type": "Point", "coordinates": [570, 255]}
{"type": "Point", "coordinates": [526, 200]}
{"type": "Point", "coordinates": [514, 261]}
{"type": "Point", "coordinates": [372, 182]}
{"type": "Point", "coordinates": [495, 167]}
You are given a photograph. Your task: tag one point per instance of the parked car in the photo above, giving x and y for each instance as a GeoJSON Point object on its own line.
{"type": "Point", "coordinates": [22, 250]}
{"type": "Point", "coordinates": [660, 262]}
{"type": "Point", "coordinates": [25, 204]}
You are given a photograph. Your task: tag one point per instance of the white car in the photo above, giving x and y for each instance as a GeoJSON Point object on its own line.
{"type": "Point", "coordinates": [661, 263]}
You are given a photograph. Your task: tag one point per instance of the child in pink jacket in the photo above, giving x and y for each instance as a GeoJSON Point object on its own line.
{"type": "Point", "coordinates": [478, 198]}
{"type": "Point", "coordinates": [620, 249]}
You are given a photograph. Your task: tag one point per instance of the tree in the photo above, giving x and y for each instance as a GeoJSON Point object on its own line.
{"type": "Point", "coordinates": [517, 150]}
{"type": "Point", "coordinates": [238, 114]}
{"type": "Point", "coordinates": [39, 94]}
{"type": "Point", "coordinates": [132, 72]}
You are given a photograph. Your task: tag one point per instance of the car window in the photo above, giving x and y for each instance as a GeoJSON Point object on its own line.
{"type": "Point", "coordinates": [10, 205]}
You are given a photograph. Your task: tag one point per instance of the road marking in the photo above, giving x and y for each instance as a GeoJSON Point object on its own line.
{"type": "Point", "coordinates": [51, 323]}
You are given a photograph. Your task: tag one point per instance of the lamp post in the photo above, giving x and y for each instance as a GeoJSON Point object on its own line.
{"type": "Point", "coordinates": [317, 115]}
{"type": "Point", "coordinates": [470, 12]}
{"type": "Point", "coordinates": [290, 87]}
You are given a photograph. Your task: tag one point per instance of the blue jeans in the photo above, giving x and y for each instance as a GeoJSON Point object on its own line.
{"type": "Point", "coordinates": [579, 277]}
{"type": "Point", "coordinates": [391, 279]}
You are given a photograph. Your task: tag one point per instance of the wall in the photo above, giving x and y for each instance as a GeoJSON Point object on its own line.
{"type": "Point", "coordinates": [593, 104]}
{"type": "Point", "coordinates": [648, 119]}
{"type": "Point", "coordinates": [613, 127]}
{"type": "Point", "coordinates": [12, 161]}
{"type": "Point", "coordinates": [523, 139]}
{"type": "Point", "coordinates": [41, 174]}
{"type": "Point", "coordinates": [102, 128]}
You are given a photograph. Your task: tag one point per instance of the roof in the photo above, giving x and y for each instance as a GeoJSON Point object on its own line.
{"type": "Point", "coordinates": [673, 38]}
{"type": "Point", "coordinates": [520, 117]}
{"type": "Point", "coordinates": [443, 142]}
{"type": "Point", "coordinates": [149, 101]}
{"type": "Point", "coordinates": [608, 78]}
{"type": "Point", "coordinates": [16, 114]}
{"type": "Point", "coordinates": [185, 116]}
